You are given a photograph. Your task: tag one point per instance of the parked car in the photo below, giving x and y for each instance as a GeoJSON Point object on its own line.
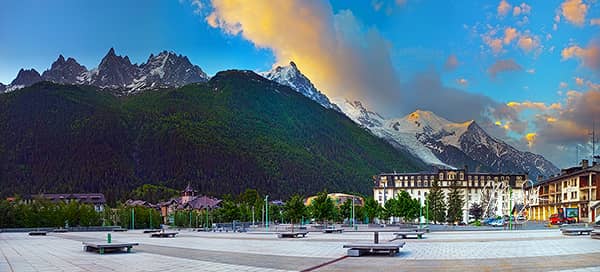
{"type": "Point", "coordinates": [487, 221]}
{"type": "Point", "coordinates": [556, 220]}
{"type": "Point", "coordinates": [497, 223]}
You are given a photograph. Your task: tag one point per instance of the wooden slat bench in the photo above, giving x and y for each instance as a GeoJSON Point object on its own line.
{"type": "Point", "coordinates": [103, 247]}
{"type": "Point", "coordinates": [292, 234]}
{"type": "Point", "coordinates": [161, 234]}
{"type": "Point", "coordinates": [333, 230]}
{"type": "Point", "coordinates": [576, 231]}
{"type": "Point", "coordinates": [152, 231]}
{"type": "Point", "coordinates": [406, 234]}
{"type": "Point", "coordinates": [38, 233]}
{"type": "Point", "coordinates": [358, 249]}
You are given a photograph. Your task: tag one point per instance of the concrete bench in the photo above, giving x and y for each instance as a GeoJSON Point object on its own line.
{"type": "Point", "coordinates": [102, 247]}
{"type": "Point", "coordinates": [406, 234]}
{"type": "Point", "coordinates": [576, 231]}
{"type": "Point", "coordinates": [119, 229]}
{"type": "Point", "coordinates": [161, 234]}
{"type": "Point", "coordinates": [151, 231]}
{"type": "Point", "coordinates": [358, 249]}
{"type": "Point", "coordinates": [292, 234]}
{"type": "Point", "coordinates": [333, 230]}
{"type": "Point", "coordinates": [38, 233]}
{"type": "Point", "coordinates": [60, 230]}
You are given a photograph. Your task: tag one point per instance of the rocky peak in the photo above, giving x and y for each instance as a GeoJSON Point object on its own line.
{"type": "Point", "coordinates": [291, 76]}
{"type": "Point", "coordinates": [26, 78]}
{"type": "Point", "coordinates": [168, 69]}
{"type": "Point", "coordinates": [66, 72]}
{"type": "Point", "coordinates": [114, 71]}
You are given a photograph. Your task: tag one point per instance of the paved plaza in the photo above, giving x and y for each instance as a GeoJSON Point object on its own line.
{"type": "Point", "coordinates": [522, 250]}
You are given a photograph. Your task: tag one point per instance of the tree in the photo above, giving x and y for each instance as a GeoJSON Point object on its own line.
{"type": "Point", "coordinates": [153, 193]}
{"type": "Point", "coordinates": [476, 211]}
{"type": "Point", "coordinates": [437, 204]}
{"type": "Point", "coordinates": [408, 207]}
{"type": "Point", "coordinates": [294, 209]}
{"type": "Point", "coordinates": [390, 210]}
{"type": "Point", "coordinates": [322, 207]}
{"type": "Point", "coordinates": [346, 209]}
{"type": "Point", "coordinates": [455, 204]}
{"type": "Point", "coordinates": [372, 209]}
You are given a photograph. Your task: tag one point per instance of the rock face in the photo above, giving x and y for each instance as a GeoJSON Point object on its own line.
{"type": "Point", "coordinates": [167, 69]}
{"type": "Point", "coordinates": [291, 76]}
{"type": "Point", "coordinates": [114, 71]}
{"type": "Point", "coordinates": [65, 71]}
{"type": "Point", "coordinates": [164, 70]}
{"type": "Point", "coordinates": [26, 78]}
{"type": "Point", "coordinates": [2, 88]}
{"type": "Point", "coordinates": [442, 143]}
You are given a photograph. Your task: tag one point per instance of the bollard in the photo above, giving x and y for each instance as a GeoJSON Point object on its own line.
{"type": "Point", "coordinates": [108, 238]}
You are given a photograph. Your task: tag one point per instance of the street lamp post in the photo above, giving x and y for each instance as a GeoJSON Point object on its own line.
{"type": "Point", "coordinates": [353, 211]}
{"type": "Point", "coordinates": [132, 219]}
{"type": "Point", "coordinates": [267, 212]}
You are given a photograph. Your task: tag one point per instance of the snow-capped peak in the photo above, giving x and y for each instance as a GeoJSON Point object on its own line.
{"type": "Point", "coordinates": [291, 76]}
{"type": "Point", "coordinates": [428, 123]}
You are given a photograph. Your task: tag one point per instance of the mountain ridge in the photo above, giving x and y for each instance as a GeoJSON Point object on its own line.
{"type": "Point", "coordinates": [164, 70]}
{"type": "Point", "coordinates": [236, 131]}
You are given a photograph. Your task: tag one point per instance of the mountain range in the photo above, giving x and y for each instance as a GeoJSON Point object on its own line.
{"type": "Point", "coordinates": [431, 138]}
{"type": "Point", "coordinates": [164, 70]}
{"type": "Point", "coordinates": [99, 130]}
{"type": "Point", "coordinates": [236, 131]}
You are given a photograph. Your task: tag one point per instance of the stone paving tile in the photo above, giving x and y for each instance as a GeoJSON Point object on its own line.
{"type": "Point", "coordinates": [193, 251]}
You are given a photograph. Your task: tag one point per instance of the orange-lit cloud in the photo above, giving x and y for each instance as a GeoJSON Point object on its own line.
{"type": "Point", "coordinates": [462, 82]}
{"type": "Point", "coordinates": [451, 63]}
{"type": "Point", "coordinates": [528, 43]}
{"type": "Point", "coordinates": [510, 34]}
{"type": "Point", "coordinates": [579, 81]}
{"type": "Point", "coordinates": [574, 11]}
{"type": "Point", "coordinates": [530, 138]}
{"type": "Point", "coordinates": [595, 21]}
{"type": "Point", "coordinates": [502, 66]}
{"type": "Point", "coordinates": [342, 57]}
{"type": "Point", "coordinates": [521, 9]}
{"type": "Point", "coordinates": [503, 8]}
{"type": "Point", "coordinates": [590, 56]}
{"type": "Point", "coordinates": [520, 106]}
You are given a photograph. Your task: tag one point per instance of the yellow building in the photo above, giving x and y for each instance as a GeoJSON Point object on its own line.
{"type": "Point", "coordinates": [338, 199]}
{"type": "Point", "coordinates": [573, 191]}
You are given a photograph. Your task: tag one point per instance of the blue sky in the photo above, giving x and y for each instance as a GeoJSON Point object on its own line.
{"type": "Point", "coordinates": [407, 39]}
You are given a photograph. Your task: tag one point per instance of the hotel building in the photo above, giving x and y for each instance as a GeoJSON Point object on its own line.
{"type": "Point", "coordinates": [574, 192]}
{"type": "Point", "coordinates": [497, 187]}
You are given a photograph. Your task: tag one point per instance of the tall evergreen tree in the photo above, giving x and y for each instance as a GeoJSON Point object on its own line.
{"type": "Point", "coordinates": [476, 211]}
{"type": "Point", "coordinates": [455, 204]}
{"type": "Point", "coordinates": [437, 203]}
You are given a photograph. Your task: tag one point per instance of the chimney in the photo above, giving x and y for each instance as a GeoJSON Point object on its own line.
{"type": "Point", "coordinates": [584, 164]}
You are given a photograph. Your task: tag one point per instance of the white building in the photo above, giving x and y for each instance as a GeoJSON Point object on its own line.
{"type": "Point", "coordinates": [476, 187]}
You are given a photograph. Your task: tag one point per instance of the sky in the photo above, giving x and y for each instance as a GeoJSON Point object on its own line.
{"type": "Point", "coordinates": [526, 71]}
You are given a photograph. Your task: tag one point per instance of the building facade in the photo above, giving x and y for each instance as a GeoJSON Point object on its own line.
{"type": "Point", "coordinates": [574, 193]}
{"type": "Point", "coordinates": [95, 199]}
{"type": "Point", "coordinates": [498, 193]}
